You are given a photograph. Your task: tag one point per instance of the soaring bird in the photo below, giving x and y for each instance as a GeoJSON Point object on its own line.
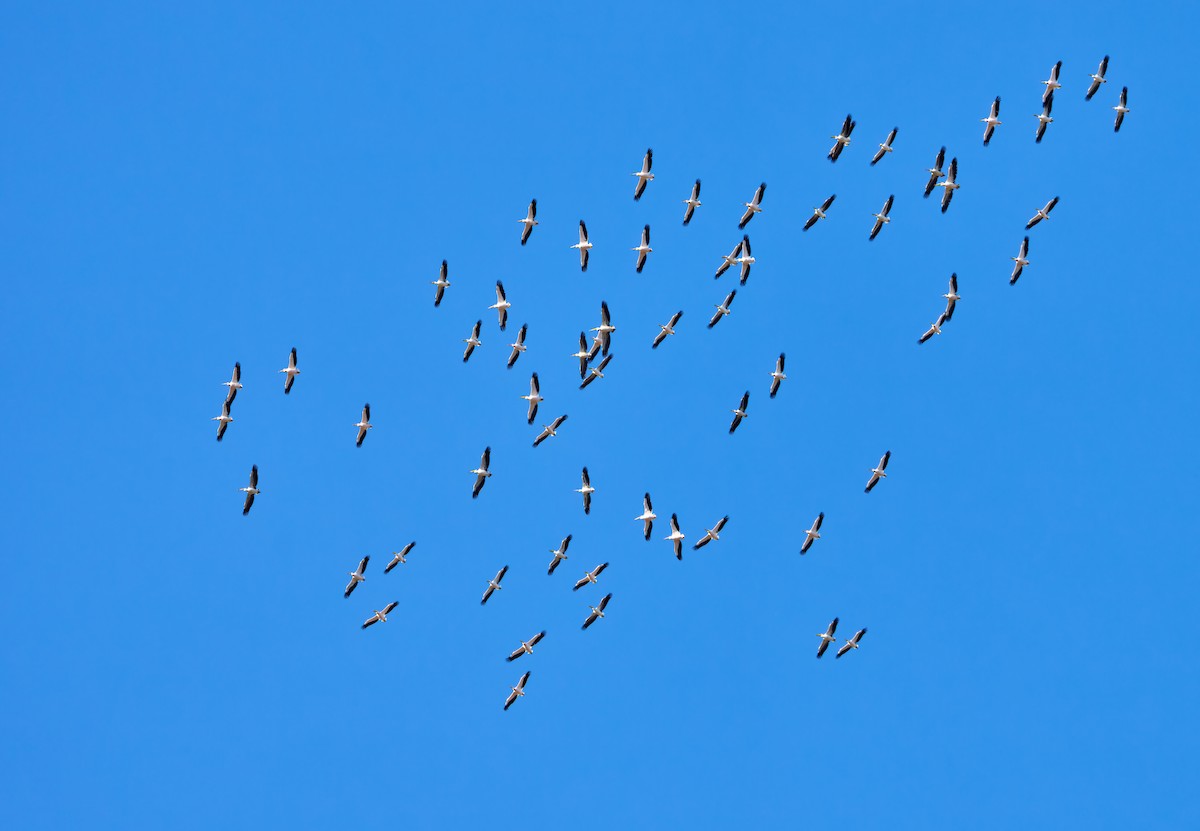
{"type": "Point", "coordinates": [669, 329]}
{"type": "Point", "coordinates": [952, 297]}
{"type": "Point", "coordinates": [605, 329]}
{"type": "Point", "coordinates": [291, 371]}
{"type": "Point", "coordinates": [992, 121]}
{"type": "Point", "coordinates": [877, 472]}
{"type": "Point", "coordinates": [951, 184]}
{"type": "Point", "coordinates": [529, 221]}
{"type": "Point", "coordinates": [777, 377]}
{"type": "Point", "coordinates": [729, 260]}
{"type": "Point", "coordinates": [234, 383]}
{"type": "Point", "coordinates": [692, 203]}
{"type": "Point", "coordinates": [1051, 85]}
{"type": "Point", "coordinates": [224, 418]}
{"type": "Point", "coordinates": [251, 491]}
{"type": "Point", "coordinates": [501, 305]}
{"type": "Point", "coordinates": [882, 217]}
{"type": "Point", "coordinates": [935, 172]}
{"type": "Point", "coordinates": [398, 557]}
{"type": "Point", "coordinates": [1021, 260]}
{"type": "Point", "coordinates": [740, 412]}
{"type": "Point", "coordinates": [676, 537]}
{"type": "Point", "coordinates": [819, 213]}
{"type": "Point", "coordinates": [647, 516]}
{"type": "Point", "coordinates": [596, 372]}
{"type": "Point", "coordinates": [813, 533]}
{"type": "Point", "coordinates": [517, 692]}
{"type": "Point", "coordinates": [535, 396]}
{"type": "Point", "coordinates": [559, 553]}
{"type": "Point", "coordinates": [1044, 120]}
{"type": "Point", "coordinates": [745, 260]}
{"type": "Point", "coordinates": [589, 577]}
{"type": "Point", "coordinates": [380, 615]}
{"type": "Point", "coordinates": [712, 534]}
{"type": "Point", "coordinates": [644, 175]}
{"type": "Point", "coordinates": [1043, 213]}
{"type": "Point", "coordinates": [935, 328]}
{"type": "Point", "coordinates": [841, 139]}
{"type": "Point", "coordinates": [519, 346]}
{"type": "Point", "coordinates": [585, 354]}
{"type": "Point", "coordinates": [722, 309]}
{"type": "Point", "coordinates": [442, 283]}
{"type": "Point", "coordinates": [526, 647]}
{"type": "Point", "coordinates": [356, 576]}
{"type": "Point", "coordinates": [597, 611]}
{"type": "Point", "coordinates": [363, 425]}
{"type": "Point", "coordinates": [1121, 109]}
{"type": "Point", "coordinates": [852, 643]}
{"type": "Point", "coordinates": [586, 490]}
{"type": "Point", "coordinates": [493, 585]}
{"type": "Point", "coordinates": [1097, 79]}
{"type": "Point", "coordinates": [482, 473]}
{"type": "Point", "coordinates": [549, 430]}
{"type": "Point", "coordinates": [827, 637]}
{"type": "Point", "coordinates": [886, 147]}
{"type": "Point", "coordinates": [583, 245]}
{"type": "Point", "coordinates": [643, 248]}
{"type": "Point", "coordinates": [754, 206]}
{"type": "Point", "coordinates": [472, 341]}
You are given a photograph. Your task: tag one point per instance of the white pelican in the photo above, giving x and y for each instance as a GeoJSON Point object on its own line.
{"type": "Point", "coordinates": [587, 490]}
{"type": "Point", "coordinates": [251, 491]}
{"type": "Point", "coordinates": [534, 397]}
{"type": "Point", "coordinates": [224, 418]}
{"type": "Point", "coordinates": [812, 534]}
{"type": "Point", "coordinates": [596, 372]}
{"type": "Point", "coordinates": [951, 296]}
{"type": "Point", "coordinates": [1097, 79]}
{"type": "Point", "coordinates": [1051, 85]}
{"type": "Point", "coordinates": [1121, 109]}
{"type": "Point", "coordinates": [644, 175]}
{"type": "Point", "coordinates": [676, 537]}
{"type": "Point", "coordinates": [852, 643]}
{"type": "Point", "coordinates": [1044, 120]}
{"type": "Point", "coordinates": [722, 309]}
{"type": "Point", "coordinates": [559, 553]}
{"type": "Point", "coordinates": [605, 329]}
{"type": "Point", "coordinates": [777, 377]}
{"type": "Point", "coordinates": [841, 139]}
{"type": "Point", "coordinates": [754, 206]}
{"type": "Point", "coordinates": [472, 341]}
{"type": "Point", "coordinates": [493, 585]}
{"type": "Point", "coordinates": [399, 557]}
{"type": "Point", "coordinates": [827, 637]}
{"type": "Point", "coordinates": [234, 383]}
{"type": "Point", "coordinates": [886, 147]}
{"type": "Point", "coordinates": [647, 516]}
{"type": "Point", "coordinates": [597, 611]}
{"type": "Point", "coordinates": [1043, 213]}
{"type": "Point", "coordinates": [877, 472]}
{"type": "Point", "coordinates": [692, 203]}
{"type": "Point", "coordinates": [745, 260]}
{"type": "Point", "coordinates": [482, 474]}
{"type": "Point", "coordinates": [711, 535]}
{"type": "Point", "coordinates": [442, 283]}
{"type": "Point", "coordinates": [669, 329]}
{"type": "Point", "coordinates": [291, 371]}
{"type": "Point", "coordinates": [526, 647]}
{"type": "Point", "coordinates": [882, 217]}
{"type": "Point", "coordinates": [380, 615]}
{"type": "Point", "coordinates": [992, 121]}
{"type": "Point", "coordinates": [819, 213]}
{"type": "Point", "coordinates": [519, 346]}
{"type": "Point", "coordinates": [935, 328]}
{"type": "Point", "coordinates": [935, 172]}
{"type": "Point", "coordinates": [584, 355]}
{"type": "Point", "coordinates": [517, 691]}
{"type": "Point", "coordinates": [583, 245]}
{"type": "Point", "coordinates": [740, 412]}
{"type": "Point", "coordinates": [501, 305]}
{"type": "Point", "coordinates": [951, 184]}
{"type": "Point", "coordinates": [549, 430]}
{"type": "Point", "coordinates": [730, 259]}
{"type": "Point", "coordinates": [529, 221]}
{"type": "Point", "coordinates": [589, 576]}
{"type": "Point", "coordinates": [363, 425]}
{"type": "Point", "coordinates": [643, 248]}
{"type": "Point", "coordinates": [356, 576]}
{"type": "Point", "coordinates": [1021, 260]}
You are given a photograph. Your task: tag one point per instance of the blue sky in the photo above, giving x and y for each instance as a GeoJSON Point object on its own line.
{"type": "Point", "coordinates": [187, 188]}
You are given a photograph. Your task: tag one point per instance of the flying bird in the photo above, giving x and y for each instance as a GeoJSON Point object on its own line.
{"type": "Point", "coordinates": [669, 329]}
{"type": "Point", "coordinates": [729, 260]}
{"type": "Point", "coordinates": [711, 535]}
{"type": "Point", "coordinates": [643, 248]}
{"type": "Point", "coordinates": [517, 692]}
{"type": "Point", "coordinates": [482, 474]}
{"type": "Point", "coordinates": [534, 397]}
{"type": "Point", "coordinates": [526, 647]}
{"type": "Point", "coordinates": [841, 139]}
{"type": "Point", "coordinates": [819, 213]}
{"type": "Point", "coordinates": [519, 346]}
{"type": "Point", "coordinates": [1044, 120]}
{"type": "Point", "coordinates": [827, 637]}
{"type": "Point", "coordinates": [754, 206]}
{"type": "Point", "coordinates": [501, 305]}
{"type": "Point", "coordinates": [251, 491]}
{"type": "Point", "coordinates": [584, 355]}
{"type": "Point", "coordinates": [1097, 79]}
{"type": "Point", "coordinates": [597, 611]}
{"type": "Point", "coordinates": [442, 283]}
{"type": "Point", "coordinates": [1051, 85]}
{"type": "Point", "coordinates": [812, 534]}
{"type": "Point", "coordinates": [877, 472]}
{"type": "Point", "coordinates": [399, 557]}
{"type": "Point", "coordinates": [549, 430]}
{"type": "Point", "coordinates": [644, 175]}
{"type": "Point", "coordinates": [1021, 260]}
{"type": "Point", "coordinates": [886, 147]}
{"type": "Point", "coordinates": [740, 412]}
{"type": "Point", "coordinates": [529, 221]}
{"type": "Point", "coordinates": [363, 425]}
{"type": "Point", "coordinates": [234, 383]}
{"type": "Point", "coordinates": [722, 309]}
{"type": "Point", "coordinates": [647, 516]}
{"type": "Point", "coordinates": [951, 184]}
{"type": "Point", "coordinates": [777, 377]}
{"type": "Point", "coordinates": [745, 260]}
{"type": "Point", "coordinates": [1043, 213]}
{"type": "Point", "coordinates": [852, 643]}
{"type": "Point", "coordinates": [952, 297]}
{"type": "Point", "coordinates": [559, 553]}
{"type": "Point", "coordinates": [676, 537]}
{"type": "Point", "coordinates": [596, 372]}
{"type": "Point", "coordinates": [1121, 109]}
{"type": "Point", "coordinates": [882, 217]}
{"type": "Point", "coordinates": [692, 203]}
{"type": "Point", "coordinates": [935, 328]}
{"type": "Point", "coordinates": [472, 341]}
{"type": "Point", "coordinates": [224, 418]}
{"type": "Point", "coordinates": [605, 329]}
{"type": "Point", "coordinates": [380, 615]}
{"type": "Point", "coordinates": [589, 576]}
{"type": "Point", "coordinates": [992, 121]}
{"type": "Point", "coordinates": [291, 371]}
{"type": "Point", "coordinates": [587, 490]}
{"type": "Point", "coordinates": [935, 172]}
{"type": "Point", "coordinates": [356, 576]}
{"type": "Point", "coordinates": [583, 245]}
{"type": "Point", "coordinates": [493, 585]}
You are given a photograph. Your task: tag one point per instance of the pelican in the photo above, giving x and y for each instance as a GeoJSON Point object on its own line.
{"type": "Point", "coordinates": [291, 371]}
{"type": "Point", "coordinates": [356, 576]}
{"type": "Point", "coordinates": [643, 248]}
{"type": "Point", "coordinates": [1043, 213]}
{"type": "Point", "coordinates": [827, 637]}
{"type": "Point", "coordinates": [224, 418]}
{"type": "Point", "coordinates": [877, 472]}
{"type": "Point", "coordinates": [692, 203]}
{"type": "Point", "coordinates": [472, 341]}
{"type": "Point", "coordinates": [722, 309]}
{"type": "Point", "coordinates": [364, 424]}
{"type": "Point", "coordinates": [559, 553]}
{"type": "Point", "coordinates": [597, 611]}
{"type": "Point", "coordinates": [951, 184]}
{"type": "Point", "coordinates": [935, 172]}
{"type": "Point", "coordinates": [952, 297]}
{"type": "Point", "coordinates": [587, 490]}
{"type": "Point", "coordinates": [841, 139]}
{"type": "Point", "coordinates": [1097, 79]}
{"type": "Point", "coordinates": [399, 557]}
{"type": "Point", "coordinates": [819, 213]}
{"type": "Point", "coordinates": [517, 691]}
{"type": "Point", "coordinates": [534, 397]}
{"type": "Point", "coordinates": [583, 245]}
{"type": "Point", "coordinates": [380, 615]}
{"type": "Point", "coordinates": [754, 206]}
{"type": "Point", "coordinates": [442, 283]}
{"type": "Point", "coordinates": [644, 175]}
{"type": "Point", "coordinates": [529, 221]}
{"type": "Point", "coordinates": [251, 491]}
{"type": "Point", "coordinates": [1121, 109]}
{"type": "Point", "coordinates": [584, 355]}
{"type": "Point", "coordinates": [1021, 260]}
{"type": "Point", "coordinates": [745, 260]}
{"type": "Point", "coordinates": [992, 121]}
{"type": "Point", "coordinates": [730, 259]}
{"type": "Point", "coordinates": [669, 329]}
{"type": "Point", "coordinates": [711, 535]}
{"type": "Point", "coordinates": [519, 346]}
{"type": "Point", "coordinates": [493, 585]}
{"type": "Point", "coordinates": [777, 377]}
{"type": "Point", "coordinates": [501, 305]}
{"type": "Point", "coordinates": [886, 147]}
{"type": "Point", "coordinates": [935, 328]}
{"type": "Point", "coordinates": [605, 329]}
{"type": "Point", "coordinates": [589, 576]}
{"type": "Point", "coordinates": [1051, 85]}
{"type": "Point", "coordinates": [1044, 120]}
{"type": "Point", "coordinates": [740, 412]}
{"type": "Point", "coordinates": [812, 534]}
{"type": "Point", "coordinates": [647, 516]}
{"type": "Point", "coordinates": [549, 430]}
{"type": "Point", "coordinates": [882, 217]}
{"type": "Point", "coordinates": [234, 383]}
{"type": "Point", "coordinates": [852, 643]}
{"type": "Point", "coordinates": [676, 537]}
{"type": "Point", "coordinates": [596, 372]}
{"type": "Point", "coordinates": [482, 474]}
{"type": "Point", "coordinates": [526, 647]}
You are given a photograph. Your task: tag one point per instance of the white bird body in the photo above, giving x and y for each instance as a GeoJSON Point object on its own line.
{"type": "Point", "coordinates": [644, 175]}
{"type": "Point", "coordinates": [291, 371]}
{"type": "Point", "coordinates": [529, 221]}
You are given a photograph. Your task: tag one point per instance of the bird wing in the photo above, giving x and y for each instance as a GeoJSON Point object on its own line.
{"type": "Point", "coordinates": [759, 193]}
{"type": "Point", "coordinates": [812, 220]}
{"type": "Point", "coordinates": [541, 437]}
{"type": "Point", "coordinates": [871, 482]}
{"type": "Point", "coordinates": [678, 548]}
{"type": "Point", "coordinates": [591, 618]}
{"type": "Point", "coordinates": [604, 601]}
{"type": "Point", "coordinates": [887, 206]}
{"type": "Point", "coordinates": [639, 189]}
{"type": "Point", "coordinates": [254, 476]}
{"type": "Point", "coordinates": [605, 318]}
{"type": "Point", "coordinates": [371, 621]}
{"type": "Point", "coordinates": [879, 154]}
{"type": "Point", "coordinates": [946, 197]}
{"type": "Point", "coordinates": [721, 524]}
{"type": "Point", "coordinates": [745, 401]}
{"type": "Point", "coordinates": [583, 234]}
{"type": "Point", "coordinates": [596, 572]}
{"type": "Point", "coordinates": [846, 647]}
{"type": "Point", "coordinates": [875, 229]}
{"type": "Point", "coordinates": [883, 461]}
{"type": "Point", "coordinates": [579, 584]}
{"type": "Point", "coordinates": [247, 504]}
{"type": "Point", "coordinates": [821, 649]}
{"type": "Point", "coordinates": [1050, 205]}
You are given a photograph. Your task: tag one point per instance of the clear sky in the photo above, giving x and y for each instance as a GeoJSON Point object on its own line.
{"type": "Point", "coordinates": [186, 188]}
